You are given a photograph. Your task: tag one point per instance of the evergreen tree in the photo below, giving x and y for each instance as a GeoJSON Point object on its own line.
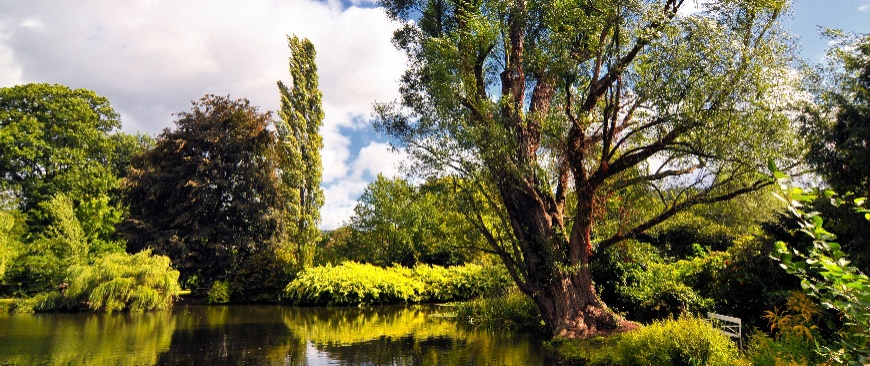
{"type": "Point", "coordinates": [299, 145]}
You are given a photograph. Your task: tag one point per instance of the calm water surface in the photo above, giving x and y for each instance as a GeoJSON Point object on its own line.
{"type": "Point", "coordinates": [260, 335]}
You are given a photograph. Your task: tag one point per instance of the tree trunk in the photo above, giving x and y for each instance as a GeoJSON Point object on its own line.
{"type": "Point", "coordinates": [571, 308]}
{"type": "Point", "coordinates": [556, 272]}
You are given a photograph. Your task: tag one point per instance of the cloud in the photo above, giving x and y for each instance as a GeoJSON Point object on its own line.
{"type": "Point", "coordinates": [151, 58]}
{"type": "Point", "coordinates": [864, 8]}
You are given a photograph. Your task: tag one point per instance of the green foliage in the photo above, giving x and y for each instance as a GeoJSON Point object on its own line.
{"type": "Point", "coordinates": [219, 293]}
{"type": "Point", "coordinates": [596, 351]}
{"type": "Point", "coordinates": [637, 281]}
{"type": "Point", "coordinates": [355, 283]}
{"type": "Point", "coordinates": [682, 341]}
{"type": "Point", "coordinates": [56, 140]}
{"type": "Point", "coordinates": [42, 302]}
{"type": "Point", "coordinates": [121, 281]}
{"type": "Point", "coordinates": [826, 273]}
{"type": "Point", "coordinates": [796, 335]}
{"type": "Point", "coordinates": [512, 310]}
{"type": "Point", "coordinates": [10, 241]}
{"type": "Point", "coordinates": [299, 145]}
{"type": "Point", "coordinates": [397, 222]}
{"type": "Point", "coordinates": [207, 195]}
{"type": "Point", "coordinates": [461, 282]}
{"type": "Point", "coordinates": [262, 277]}
{"type": "Point", "coordinates": [837, 127]}
{"type": "Point", "coordinates": [43, 263]}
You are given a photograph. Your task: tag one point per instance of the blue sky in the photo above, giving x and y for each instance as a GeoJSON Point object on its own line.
{"type": "Point", "coordinates": [152, 57]}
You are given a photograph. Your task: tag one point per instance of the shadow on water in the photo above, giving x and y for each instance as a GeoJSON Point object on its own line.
{"type": "Point", "coordinates": [260, 335]}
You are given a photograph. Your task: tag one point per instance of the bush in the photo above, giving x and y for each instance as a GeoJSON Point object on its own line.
{"type": "Point", "coordinates": [513, 310]}
{"type": "Point", "coordinates": [121, 281]}
{"type": "Point", "coordinates": [796, 335]}
{"type": "Point", "coordinates": [48, 301]}
{"type": "Point", "coordinates": [261, 278]}
{"type": "Point", "coordinates": [637, 281]}
{"type": "Point", "coordinates": [461, 282]}
{"type": "Point", "coordinates": [218, 293]}
{"type": "Point", "coordinates": [684, 341]}
{"type": "Point", "coordinates": [355, 283]}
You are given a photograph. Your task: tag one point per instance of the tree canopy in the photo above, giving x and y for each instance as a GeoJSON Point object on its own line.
{"type": "Point", "coordinates": [53, 140]}
{"type": "Point", "coordinates": [838, 127]}
{"type": "Point", "coordinates": [396, 222]}
{"type": "Point", "coordinates": [546, 108]}
{"type": "Point", "coordinates": [207, 194]}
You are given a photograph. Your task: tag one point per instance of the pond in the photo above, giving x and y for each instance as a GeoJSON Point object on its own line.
{"type": "Point", "coordinates": [260, 335]}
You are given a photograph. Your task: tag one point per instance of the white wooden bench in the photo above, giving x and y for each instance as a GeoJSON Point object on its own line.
{"type": "Point", "coordinates": [729, 326]}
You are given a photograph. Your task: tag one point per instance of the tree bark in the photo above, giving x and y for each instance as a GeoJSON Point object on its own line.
{"type": "Point", "coordinates": [571, 307]}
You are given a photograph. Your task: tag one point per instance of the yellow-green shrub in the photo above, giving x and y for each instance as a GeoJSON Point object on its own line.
{"type": "Point", "coordinates": [683, 341]}
{"type": "Point", "coordinates": [218, 293]}
{"type": "Point", "coordinates": [356, 283]}
{"type": "Point", "coordinates": [353, 283]}
{"type": "Point", "coordinates": [121, 281]}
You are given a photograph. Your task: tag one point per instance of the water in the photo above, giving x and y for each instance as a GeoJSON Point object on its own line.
{"type": "Point", "coordinates": [260, 335]}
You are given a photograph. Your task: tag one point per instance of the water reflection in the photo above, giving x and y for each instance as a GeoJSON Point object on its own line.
{"type": "Point", "coordinates": [85, 339]}
{"type": "Point", "coordinates": [260, 335]}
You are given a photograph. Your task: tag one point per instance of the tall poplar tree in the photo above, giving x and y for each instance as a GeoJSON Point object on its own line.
{"type": "Point", "coordinates": [299, 145]}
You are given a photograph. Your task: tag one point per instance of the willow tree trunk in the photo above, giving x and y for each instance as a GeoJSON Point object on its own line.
{"type": "Point", "coordinates": [571, 308]}
{"type": "Point", "coordinates": [555, 269]}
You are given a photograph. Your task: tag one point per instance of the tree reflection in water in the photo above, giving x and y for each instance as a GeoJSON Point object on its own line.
{"type": "Point", "coordinates": [260, 335]}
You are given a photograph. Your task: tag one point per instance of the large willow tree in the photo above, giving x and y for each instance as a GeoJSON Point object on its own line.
{"type": "Point", "coordinates": [554, 110]}
{"type": "Point", "coordinates": [299, 145]}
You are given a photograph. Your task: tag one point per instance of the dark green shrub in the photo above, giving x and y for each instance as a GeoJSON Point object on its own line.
{"type": "Point", "coordinates": [683, 341]}
{"type": "Point", "coordinates": [260, 279]}
{"type": "Point", "coordinates": [638, 282]}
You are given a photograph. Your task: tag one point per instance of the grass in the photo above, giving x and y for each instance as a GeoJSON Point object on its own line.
{"type": "Point", "coordinates": [597, 351]}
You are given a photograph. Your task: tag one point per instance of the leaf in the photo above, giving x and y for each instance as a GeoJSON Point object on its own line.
{"type": "Point", "coordinates": [771, 165]}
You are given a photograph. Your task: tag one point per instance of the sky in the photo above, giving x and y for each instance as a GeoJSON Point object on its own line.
{"type": "Point", "coordinates": [151, 58]}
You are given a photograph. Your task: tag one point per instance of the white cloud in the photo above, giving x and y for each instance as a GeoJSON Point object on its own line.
{"type": "Point", "coordinates": [150, 58]}
{"type": "Point", "coordinates": [864, 8]}
{"type": "Point", "coordinates": [377, 158]}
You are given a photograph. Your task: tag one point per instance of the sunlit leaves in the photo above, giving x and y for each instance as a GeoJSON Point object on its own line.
{"type": "Point", "coordinates": [299, 145]}
{"type": "Point", "coordinates": [827, 274]}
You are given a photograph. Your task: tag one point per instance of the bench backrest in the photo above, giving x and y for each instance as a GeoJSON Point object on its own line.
{"type": "Point", "coordinates": [729, 326]}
